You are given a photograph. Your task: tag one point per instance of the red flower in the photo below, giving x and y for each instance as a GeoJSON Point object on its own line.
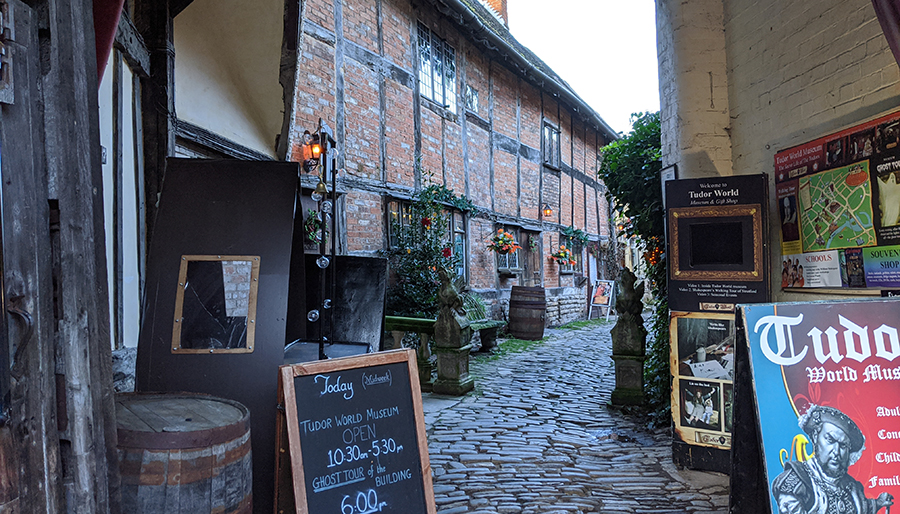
{"type": "Point", "coordinates": [426, 222]}
{"type": "Point", "coordinates": [446, 252]}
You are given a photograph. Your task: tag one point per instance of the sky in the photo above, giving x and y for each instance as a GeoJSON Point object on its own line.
{"type": "Point", "coordinates": [604, 49]}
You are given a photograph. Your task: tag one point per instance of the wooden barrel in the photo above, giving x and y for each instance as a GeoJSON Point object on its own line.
{"type": "Point", "coordinates": [184, 453]}
{"type": "Point", "coordinates": [527, 306]}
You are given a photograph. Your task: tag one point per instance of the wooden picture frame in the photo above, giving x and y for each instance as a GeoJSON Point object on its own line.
{"type": "Point", "coordinates": [291, 453]}
{"type": "Point", "coordinates": [680, 221]}
{"type": "Point", "coordinates": [251, 288]}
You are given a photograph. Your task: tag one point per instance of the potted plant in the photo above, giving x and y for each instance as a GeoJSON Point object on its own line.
{"type": "Point", "coordinates": [503, 242]}
{"type": "Point", "coordinates": [563, 256]}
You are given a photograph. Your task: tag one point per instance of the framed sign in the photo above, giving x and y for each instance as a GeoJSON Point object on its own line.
{"type": "Point", "coordinates": [702, 363]}
{"type": "Point", "coordinates": [604, 296]}
{"type": "Point", "coordinates": [355, 434]}
{"type": "Point", "coordinates": [826, 380]}
{"type": "Point", "coordinates": [717, 242]}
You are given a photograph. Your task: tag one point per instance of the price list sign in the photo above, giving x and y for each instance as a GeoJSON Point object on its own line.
{"type": "Point", "coordinates": [356, 435]}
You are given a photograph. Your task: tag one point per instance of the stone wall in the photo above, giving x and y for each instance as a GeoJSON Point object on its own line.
{"type": "Point", "coordinates": [564, 304]}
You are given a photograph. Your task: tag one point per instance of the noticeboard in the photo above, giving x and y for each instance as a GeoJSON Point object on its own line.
{"type": "Point", "coordinates": [716, 233]}
{"type": "Point", "coordinates": [826, 372]}
{"type": "Point", "coordinates": [702, 362]}
{"type": "Point", "coordinates": [839, 207]}
{"type": "Point", "coordinates": [355, 436]}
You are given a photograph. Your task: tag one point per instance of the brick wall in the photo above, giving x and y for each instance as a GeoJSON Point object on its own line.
{"type": "Point", "coordinates": [365, 222]}
{"type": "Point", "coordinates": [385, 130]}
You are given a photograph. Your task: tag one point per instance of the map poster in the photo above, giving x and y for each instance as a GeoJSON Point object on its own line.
{"type": "Point", "coordinates": [836, 208]}
{"type": "Point", "coordinates": [786, 194]}
{"type": "Point", "coordinates": [882, 265]}
{"type": "Point", "coordinates": [826, 372]}
{"type": "Point", "coordinates": [886, 196]}
{"type": "Point", "coordinates": [815, 269]}
{"type": "Point", "coordinates": [702, 362]}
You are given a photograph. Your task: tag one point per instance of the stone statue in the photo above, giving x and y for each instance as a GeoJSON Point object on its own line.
{"type": "Point", "coordinates": [448, 296]}
{"type": "Point", "coordinates": [452, 336]}
{"type": "Point", "coordinates": [628, 300]}
{"type": "Point", "coordinates": [629, 337]}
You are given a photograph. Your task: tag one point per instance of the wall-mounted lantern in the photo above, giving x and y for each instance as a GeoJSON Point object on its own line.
{"type": "Point", "coordinates": [312, 151]}
{"type": "Point", "coordinates": [547, 210]}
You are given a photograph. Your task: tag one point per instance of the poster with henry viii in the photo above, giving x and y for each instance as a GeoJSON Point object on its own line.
{"type": "Point", "coordinates": [826, 378]}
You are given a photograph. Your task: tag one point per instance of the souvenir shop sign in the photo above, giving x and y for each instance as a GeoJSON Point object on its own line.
{"type": "Point", "coordinates": [826, 375]}
{"type": "Point", "coordinates": [841, 193]}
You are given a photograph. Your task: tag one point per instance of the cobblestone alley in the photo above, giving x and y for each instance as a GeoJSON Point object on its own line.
{"type": "Point", "coordinates": [536, 436]}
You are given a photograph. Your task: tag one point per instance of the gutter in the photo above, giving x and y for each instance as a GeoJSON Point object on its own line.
{"type": "Point", "coordinates": [484, 35]}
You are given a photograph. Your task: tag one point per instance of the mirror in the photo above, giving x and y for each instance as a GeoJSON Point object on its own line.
{"type": "Point", "coordinates": [215, 305]}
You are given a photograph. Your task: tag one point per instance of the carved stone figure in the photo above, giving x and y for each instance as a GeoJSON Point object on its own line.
{"type": "Point", "coordinates": [452, 336]}
{"type": "Point", "coordinates": [629, 338]}
{"type": "Point", "coordinates": [448, 297]}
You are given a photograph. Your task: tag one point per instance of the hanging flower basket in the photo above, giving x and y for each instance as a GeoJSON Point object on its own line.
{"type": "Point", "coordinates": [563, 256]}
{"type": "Point", "coordinates": [503, 243]}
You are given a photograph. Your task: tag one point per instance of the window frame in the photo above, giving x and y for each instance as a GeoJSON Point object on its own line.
{"type": "Point", "coordinates": [436, 64]}
{"type": "Point", "coordinates": [456, 233]}
{"type": "Point", "coordinates": [503, 260]}
{"type": "Point", "coordinates": [550, 147]}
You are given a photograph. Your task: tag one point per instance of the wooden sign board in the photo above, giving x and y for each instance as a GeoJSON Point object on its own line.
{"type": "Point", "coordinates": [604, 295]}
{"type": "Point", "coordinates": [355, 436]}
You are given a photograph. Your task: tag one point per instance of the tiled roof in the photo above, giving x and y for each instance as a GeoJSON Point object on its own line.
{"type": "Point", "coordinates": [488, 32]}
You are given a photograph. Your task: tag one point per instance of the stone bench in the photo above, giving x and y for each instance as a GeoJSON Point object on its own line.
{"type": "Point", "coordinates": [398, 326]}
{"type": "Point", "coordinates": [487, 331]}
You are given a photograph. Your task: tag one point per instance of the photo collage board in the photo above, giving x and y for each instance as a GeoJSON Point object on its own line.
{"type": "Point", "coordinates": [702, 352]}
{"type": "Point", "coordinates": [838, 201]}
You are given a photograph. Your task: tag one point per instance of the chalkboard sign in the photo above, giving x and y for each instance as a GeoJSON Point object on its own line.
{"type": "Point", "coordinates": [356, 435]}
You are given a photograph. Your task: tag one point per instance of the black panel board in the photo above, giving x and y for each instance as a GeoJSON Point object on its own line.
{"type": "Point", "coordinates": [357, 304]}
{"type": "Point", "coordinates": [749, 490]}
{"type": "Point", "coordinates": [223, 207]}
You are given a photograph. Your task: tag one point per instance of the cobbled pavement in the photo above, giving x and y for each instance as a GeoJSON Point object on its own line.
{"type": "Point", "coordinates": [536, 436]}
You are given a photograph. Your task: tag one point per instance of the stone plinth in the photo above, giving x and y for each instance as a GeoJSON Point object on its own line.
{"type": "Point", "coordinates": [629, 380]}
{"type": "Point", "coordinates": [453, 371]}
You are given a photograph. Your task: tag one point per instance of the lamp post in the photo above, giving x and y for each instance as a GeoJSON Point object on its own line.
{"type": "Point", "coordinates": [315, 160]}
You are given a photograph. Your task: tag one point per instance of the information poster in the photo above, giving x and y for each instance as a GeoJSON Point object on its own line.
{"type": "Point", "coordinates": [882, 265]}
{"type": "Point", "coordinates": [703, 355]}
{"type": "Point", "coordinates": [816, 269]}
{"type": "Point", "coordinates": [842, 192]}
{"type": "Point", "coordinates": [826, 378]}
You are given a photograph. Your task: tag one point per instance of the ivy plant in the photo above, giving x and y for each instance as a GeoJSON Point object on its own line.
{"type": "Point", "coordinates": [630, 168]}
